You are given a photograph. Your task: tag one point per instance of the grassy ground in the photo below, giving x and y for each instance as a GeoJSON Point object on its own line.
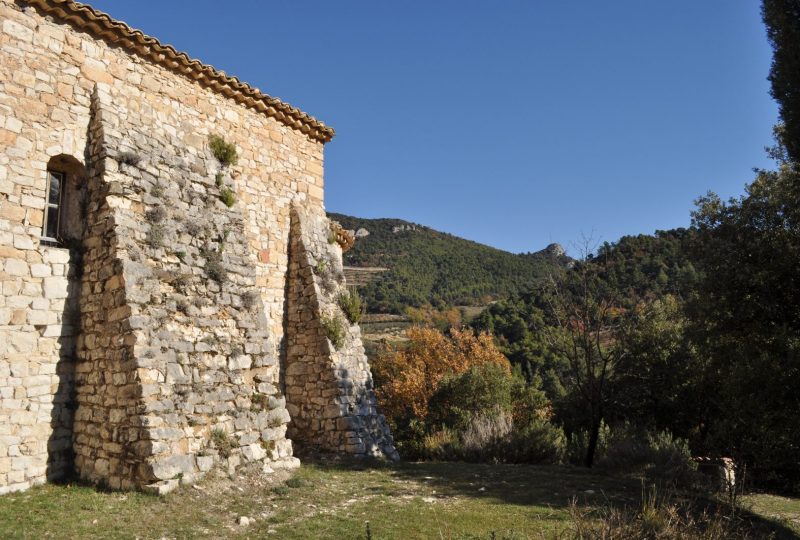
{"type": "Point", "coordinates": [784, 510]}
{"type": "Point", "coordinates": [335, 500]}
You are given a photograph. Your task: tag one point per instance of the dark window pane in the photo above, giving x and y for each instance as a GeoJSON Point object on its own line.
{"type": "Point", "coordinates": [52, 223]}
{"type": "Point", "coordinates": [55, 188]}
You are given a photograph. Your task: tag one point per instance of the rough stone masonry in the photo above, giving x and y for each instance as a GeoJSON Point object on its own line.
{"type": "Point", "coordinates": [162, 311]}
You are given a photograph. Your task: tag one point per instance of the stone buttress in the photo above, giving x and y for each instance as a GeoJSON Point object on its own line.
{"type": "Point", "coordinates": [176, 369]}
{"type": "Point", "coordinates": [328, 388]}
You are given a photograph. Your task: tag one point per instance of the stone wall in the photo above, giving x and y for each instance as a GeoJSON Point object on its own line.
{"type": "Point", "coordinates": [181, 299]}
{"type": "Point", "coordinates": [329, 387]}
{"type": "Point", "coordinates": [176, 367]}
{"type": "Point", "coordinates": [37, 306]}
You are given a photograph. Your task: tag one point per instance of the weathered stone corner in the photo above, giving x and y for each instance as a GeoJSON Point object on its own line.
{"type": "Point", "coordinates": [329, 387]}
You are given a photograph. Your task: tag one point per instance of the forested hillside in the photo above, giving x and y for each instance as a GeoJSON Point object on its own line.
{"type": "Point", "coordinates": [645, 267]}
{"type": "Point", "coordinates": [431, 267]}
{"type": "Point", "coordinates": [633, 270]}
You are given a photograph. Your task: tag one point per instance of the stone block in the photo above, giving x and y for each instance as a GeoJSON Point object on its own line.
{"type": "Point", "coordinates": [55, 256]}
{"type": "Point", "coordinates": [96, 71]}
{"type": "Point", "coordinates": [205, 463]}
{"type": "Point", "coordinates": [165, 468]}
{"type": "Point", "coordinates": [162, 488]}
{"type": "Point", "coordinates": [41, 318]}
{"type": "Point", "coordinates": [41, 270]}
{"type": "Point", "coordinates": [55, 287]}
{"type": "Point", "coordinates": [253, 452]}
{"type": "Point", "coordinates": [242, 361]}
{"type": "Point", "coordinates": [17, 31]}
{"type": "Point", "coordinates": [16, 267]}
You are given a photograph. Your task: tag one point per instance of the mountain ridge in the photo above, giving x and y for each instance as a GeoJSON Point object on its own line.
{"type": "Point", "coordinates": [430, 267]}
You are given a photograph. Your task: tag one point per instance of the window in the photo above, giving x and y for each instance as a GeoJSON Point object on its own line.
{"type": "Point", "coordinates": [52, 210]}
{"type": "Point", "coordinates": [65, 198]}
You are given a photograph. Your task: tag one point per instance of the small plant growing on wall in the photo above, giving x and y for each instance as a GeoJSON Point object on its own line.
{"type": "Point", "coordinates": [218, 179]}
{"type": "Point", "coordinates": [156, 215]}
{"type": "Point", "coordinates": [193, 228]}
{"type": "Point", "coordinates": [249, 300]}
{"type": "Point", "coordinates": [259, 401]}
{"type": "Point", "coordinates": [351, 304]}
{"type": "Point", "coordinates": [128, 158]}
{"type": "Point", "coordinates": [155, 236]}
{"type": "Point", "coordinates": [334, 330]}
{"type": "Point", "coordinates": [182, 306]}
{"type": "Point", "coordinates": [226, 195]}
{"type": "Point", "coordinates": [224, 151]}
{"type": "Point", "coordinates": [214, 267]}
{"type": "Point", "coordinates": [181, 282]}
{"type": "Point", "coordinates": [157, 190]}
{"type": "Point", "coordinates": [269, 446]}
{"type": "Point", "coordinates": [216, 271]}
{"type": "Point", "coordinates": [221, 442]}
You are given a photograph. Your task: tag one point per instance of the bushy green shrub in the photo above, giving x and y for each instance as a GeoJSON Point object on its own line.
{"type": "Point", "coordinates": [441, 445]}
{"type": "Point", "coordinates": [537, 442]}
{"type": "Point", "coordinates": [334, 330]}
{"type": "Point", "coordinates": [350, 302]}
{"type": "Point", "coordinates": [487, 414]}
{"type": "Point", "coordinates": [656, 455]}
{"type": "Point", "coordinates": [225, 152]}
{"type": "Point", "coordinates": [411, 439]}
{"type": "Point", "coordinates": [461, 397]}
{"type": "Point", "coordinates": [493, 437]}
{"type": "Point", "coordinates": [485, 436]}
{"type": "Point", "coordinates": [578, 442]}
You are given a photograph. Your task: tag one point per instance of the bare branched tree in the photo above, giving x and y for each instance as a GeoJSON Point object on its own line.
{"type": "Point", "coordinates": [584, 329]}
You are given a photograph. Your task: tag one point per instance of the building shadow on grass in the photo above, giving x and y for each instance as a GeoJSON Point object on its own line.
{"type": "Point", "coordinates": [553, 486]}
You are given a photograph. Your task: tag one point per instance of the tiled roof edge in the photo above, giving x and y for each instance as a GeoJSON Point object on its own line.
{"type": "Point", "coordinates": [118, 33]}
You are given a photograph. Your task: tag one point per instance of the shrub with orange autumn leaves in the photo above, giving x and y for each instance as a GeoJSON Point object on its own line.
{"type": "Point", "coordinates": [453, 396]}
{"type": "Point", "coordinates": [409, 375]}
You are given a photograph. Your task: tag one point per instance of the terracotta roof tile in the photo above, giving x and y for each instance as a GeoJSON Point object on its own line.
{"type": "Point", "coordinates": [103, 26]}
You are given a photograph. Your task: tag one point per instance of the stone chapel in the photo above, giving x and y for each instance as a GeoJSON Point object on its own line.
{"type": "Point", "coordinates": [170, 282]}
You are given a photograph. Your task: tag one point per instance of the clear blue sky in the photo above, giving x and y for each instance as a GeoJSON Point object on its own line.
{"type": "Point", "coordinates": [512, 123]}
